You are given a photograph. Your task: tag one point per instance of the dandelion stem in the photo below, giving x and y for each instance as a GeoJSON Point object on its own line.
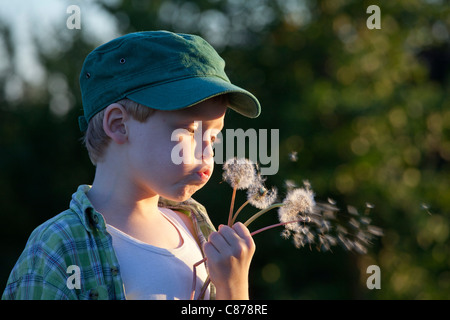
{"type": "Point", "coordinates": [208, 280]}
{"type": "Point", "coordinates": [274, 226]}
{"type": "Point", "coordinates": [205, 286]}
{"type": "Point", "coordinates": [232, 205]}
{"type": "Point", "coordinates": [260, 213]}
{"type": "Point", "coordinates": [239, 210]}
{"type": "Point", "coordinates": [194, 280]}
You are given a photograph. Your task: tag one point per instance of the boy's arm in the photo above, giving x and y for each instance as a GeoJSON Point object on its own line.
{"type": "Point", "coordinates": [229, 252]}
{"type": "Point", "coordinates": [33, 287]}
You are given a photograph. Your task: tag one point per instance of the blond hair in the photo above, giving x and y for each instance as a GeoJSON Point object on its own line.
{"type": "Point", "coordinates": [96, 140]}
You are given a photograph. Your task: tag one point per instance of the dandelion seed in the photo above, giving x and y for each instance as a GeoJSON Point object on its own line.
{"type": "Point", "coordinates": [310, 236]}
{"type": "Point", "coordinates": [355, 224]}
{"type": "Point", "coordinates": [307, 185]}
{"type": "Point", "coordinates": [331, 201]}
{"type": "Point", "coordinates": [285, 234]}
{"type": "Point", "coordinates": [326, 227]}
{"type": "Point", "coordinates": [359, 247]}
{"type": "Point", "coordinates": [369, 205]}
{"type": "Point", "coordinates": [293, 156]}
{"type": "Point", "coordinates": [299, 240]}
{"type": "Point", "coordinates": [365, 220]}
{"type": "Point", "coordinates": [289, 184]}
{"type": "Point", "coordinates": [426, 207]}
{"type": "Point", "coordinates": [329, 215]}
{"type": "Point", "coordinates": [341, 230]}
{"type": "Point", "coordinates": [239, 173]}
{"type": "Point", "coordinates": [331, 240]}
{"type": "Point", "coordinates": [324, 245]}
{"type": "Point", "coordinates": [326, 207]}
{"type": "Point", "coordinates": [346, 243]}
{"type": "Point", "coordinates": [376, 231]}
{"type": "Point", "coordinates": [352, 210]}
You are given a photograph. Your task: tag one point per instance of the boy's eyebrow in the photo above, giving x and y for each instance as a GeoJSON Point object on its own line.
{"type": "Point", "coordinates": [185, 123]}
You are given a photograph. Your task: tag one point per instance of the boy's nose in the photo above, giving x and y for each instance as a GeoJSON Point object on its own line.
{"type": "Point", "coordinates": [204, 151]}
{"type": "Point", "coordinates": [208, 151]}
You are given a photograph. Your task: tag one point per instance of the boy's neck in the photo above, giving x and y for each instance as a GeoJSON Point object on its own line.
{"type": "Point", "coordinates": [118, 200]}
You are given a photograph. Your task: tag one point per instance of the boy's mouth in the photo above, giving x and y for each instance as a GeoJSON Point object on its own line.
{"type": "Point", "coordinates": [204, 174]}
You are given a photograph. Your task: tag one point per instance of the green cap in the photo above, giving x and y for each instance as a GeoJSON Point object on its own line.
{"type": "Point", "coordinates": [158, 69]}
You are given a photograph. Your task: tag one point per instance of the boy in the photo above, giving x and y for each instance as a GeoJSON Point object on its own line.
{"type": "Point", "coordinates": [136, 232]}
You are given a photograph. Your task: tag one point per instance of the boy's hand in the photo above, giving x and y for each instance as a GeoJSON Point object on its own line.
{"type": "Point", "coordinates": [229, 252]}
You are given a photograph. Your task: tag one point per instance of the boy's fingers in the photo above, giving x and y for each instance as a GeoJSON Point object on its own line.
{"type": "Point", "coordinates": [219, 242]}
{"type": "Point", "coordinates": [230, 240]}
{"type": "Point", "coordinates": [243, 232]}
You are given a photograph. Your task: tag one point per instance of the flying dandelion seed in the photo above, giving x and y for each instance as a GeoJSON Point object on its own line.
{"type": "Point", "coordinates": [319, 225]}
{"type": "Point", "coordinates": [289, 184]}
{"type": "Point", "coordinates": [331, 201]}
{"type": "Point", "coordinates": [369, 205]}
{"type": "Point", "coordinates": [426, 207]}
{"type": "Point", "coordinates": [376, 231]}
{"type": "Point", "coordinates": [352, 210]}
{"type": "Point", "coordinates": [293, 156]}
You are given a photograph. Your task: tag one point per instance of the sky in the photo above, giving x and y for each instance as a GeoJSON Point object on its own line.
{"type": "Point", "coordinates": [40, 19]}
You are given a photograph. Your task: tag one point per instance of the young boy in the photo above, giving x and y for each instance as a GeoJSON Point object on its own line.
{"type": "Point", "coordinates": [136, 232]}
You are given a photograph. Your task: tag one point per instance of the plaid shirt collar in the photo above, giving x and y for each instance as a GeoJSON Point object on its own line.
{"type": "Point", "coordinates": [82, 206]}
{"type": "Point", "coordinates": [92, 219]}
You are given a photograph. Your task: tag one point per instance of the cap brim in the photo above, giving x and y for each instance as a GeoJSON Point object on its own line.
{"type": "Point", "coordinates": [184, 93]}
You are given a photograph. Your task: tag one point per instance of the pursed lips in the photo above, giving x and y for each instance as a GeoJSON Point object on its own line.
{"type": "Point", "coordinates": [204, 173]}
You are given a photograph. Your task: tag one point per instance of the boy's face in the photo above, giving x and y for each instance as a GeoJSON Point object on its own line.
{"type": "Point", "coordinates": [152, 145]}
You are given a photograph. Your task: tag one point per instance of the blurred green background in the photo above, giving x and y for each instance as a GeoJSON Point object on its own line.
{"type": "Point", "coordinates": [367, 111]}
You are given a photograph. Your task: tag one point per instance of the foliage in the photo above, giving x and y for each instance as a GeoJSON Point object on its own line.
{"type": "Point", "coordinates": [366, 111]}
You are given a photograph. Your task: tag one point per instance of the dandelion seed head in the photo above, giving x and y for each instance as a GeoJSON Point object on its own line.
{"type": "Point", "coordinates": [299, 200]}
{"type": "Point", "coordinates": [239, 173]}
{"type": "Point", "coordinates": [260, 197]}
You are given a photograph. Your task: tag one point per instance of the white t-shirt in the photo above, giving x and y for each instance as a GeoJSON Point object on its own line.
{"type": "Point", "coordinates": [153, 273]}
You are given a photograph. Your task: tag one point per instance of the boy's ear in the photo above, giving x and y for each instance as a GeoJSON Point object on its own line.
{"type": "Point", "coordinates": [114, 123]}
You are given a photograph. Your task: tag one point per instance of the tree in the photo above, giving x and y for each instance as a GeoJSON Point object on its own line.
{"type": "Point", "coordinates": [365, 111]}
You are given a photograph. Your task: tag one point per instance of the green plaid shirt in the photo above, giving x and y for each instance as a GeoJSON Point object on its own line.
{"type": "Point", "coordinates": [78, 237]}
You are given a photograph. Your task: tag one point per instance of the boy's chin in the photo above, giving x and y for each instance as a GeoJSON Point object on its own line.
{"type": "Point", "coordinates": [182, 196]}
